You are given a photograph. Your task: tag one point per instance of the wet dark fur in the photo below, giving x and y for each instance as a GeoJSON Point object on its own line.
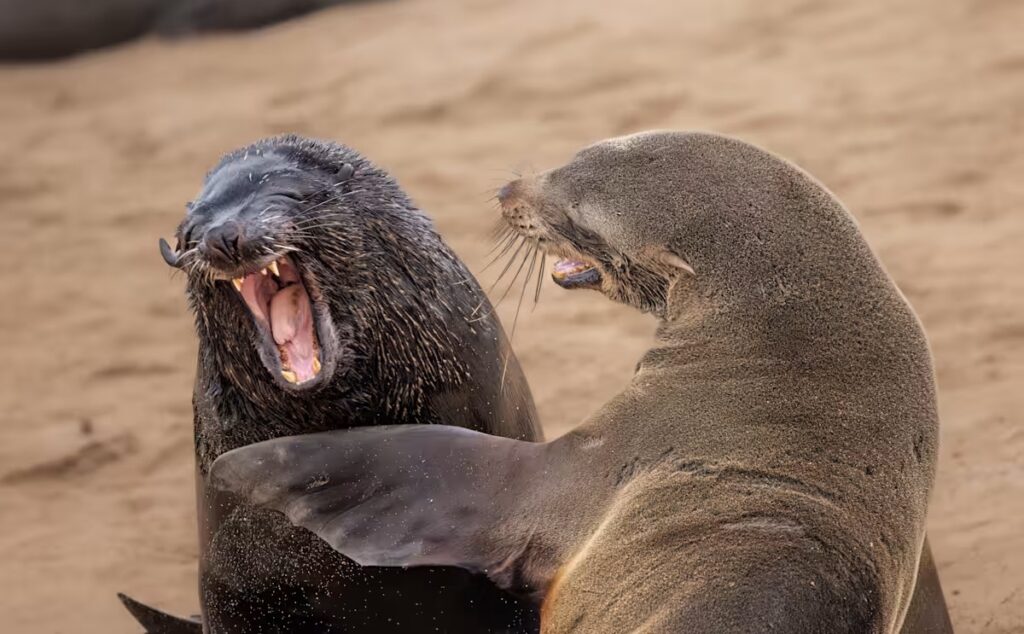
{"type": "Point", "coordinates": [407, 349]}
{"type": "Point", "coordinates": [402, 307]}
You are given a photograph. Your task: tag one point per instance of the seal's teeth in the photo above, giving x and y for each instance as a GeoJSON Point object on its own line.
{"type": "Point", "coordinates": [273, 268]}
{"type": "Point", "coordinates": [263, 271]}
{"type": "Point", "coordinates": [237, 283]}
{"type": "Point", "coordinates": [316, 365]}
{"type": "Point", "coordinates": [289, 376]}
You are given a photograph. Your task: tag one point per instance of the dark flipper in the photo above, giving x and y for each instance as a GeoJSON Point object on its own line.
{"type": "Point", "coordinates": [157, 622]}
{"type": "Point", "coordinates": [927, 613]}
{"type": "Point", "coordinates": [401, 495]}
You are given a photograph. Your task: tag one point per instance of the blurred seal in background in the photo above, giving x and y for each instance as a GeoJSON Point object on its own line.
{"type": "Point", "coordinates": [44, 29]}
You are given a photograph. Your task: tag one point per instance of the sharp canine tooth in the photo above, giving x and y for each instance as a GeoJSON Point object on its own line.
{"type": "Point", "coordinates": [273, 267]}
{"type": "Point", "coordinates": [263, 271]}
{"type": "Point", "coordinates": [238, 284]}
{"type": "Point", "coordinates": [316, 365]}
{"type": "Point", "coordinates": [289, 376]}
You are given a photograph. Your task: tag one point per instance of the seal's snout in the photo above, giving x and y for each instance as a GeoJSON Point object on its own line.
{"type": "Point", "coordinates": [514, 207]}
{"type": "Point", "coordinates": [224, 245]}
{"type": "Point", "coordinates": [244, 235]}
{"type": "Point", "coordinates": [522, 210]}
{"type": "Point", "coordinates": [508, 192]}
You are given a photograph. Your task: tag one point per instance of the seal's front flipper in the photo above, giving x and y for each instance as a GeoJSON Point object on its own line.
{"type": "Point", "coordinates": [157, 622]}
{"type": "Point", "coordinates": [406, 495]}
{"type": "Point", "coordinates": [927, 613]}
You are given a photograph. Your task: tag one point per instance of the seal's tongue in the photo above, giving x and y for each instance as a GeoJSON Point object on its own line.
{"type": "Point", "coordinates": [279, 301]}
{"type": "Point", "coordinates": [575, 274]}
{"type": "Point", "coordinates": [291, 322]}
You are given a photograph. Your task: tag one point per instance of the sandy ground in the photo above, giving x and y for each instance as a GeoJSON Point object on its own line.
{"type": "Point", "coordinates": [912, 112]}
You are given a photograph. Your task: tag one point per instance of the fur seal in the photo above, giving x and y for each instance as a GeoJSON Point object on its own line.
{"type": "Point", "coordinates": [324, 299]}
{"type": "Point", "coordinates": [767, 469]}
{"type": "Point", "coordinates": [49, 29]}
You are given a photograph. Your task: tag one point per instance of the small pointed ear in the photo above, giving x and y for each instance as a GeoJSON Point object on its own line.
{"type": "Point", "coordinates": [673, 260]}
{"type": "Point", "coordinates": [345, 173]}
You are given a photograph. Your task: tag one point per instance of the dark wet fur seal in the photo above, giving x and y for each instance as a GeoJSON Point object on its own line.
{"type": "Point", "coordinates": [767, 469]}
{"type": "Point", "coordinates": [399, 330]}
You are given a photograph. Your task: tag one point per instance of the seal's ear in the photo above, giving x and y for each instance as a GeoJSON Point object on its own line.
{"type": "Point", "coordinates": [171, 257]}
{"type": "Point", "coordinates": [671, 259]}
{"type": "Point", "coordinates": [406, 495]}
{"type": "Point", "coordinates": [345, 173]}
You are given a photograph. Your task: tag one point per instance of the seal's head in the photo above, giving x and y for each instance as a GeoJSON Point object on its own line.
{"type": "Point", "coordinates": [254, 264]}
{"type": "Point", "coordinates": [634, 216]}
{"type": "Point", "coordinates": [589, 214]}
{"type": "Point", "coordinates": [295, 249]}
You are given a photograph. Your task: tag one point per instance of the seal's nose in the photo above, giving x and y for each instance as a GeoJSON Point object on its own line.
{"type": "Point", "coordinates": [223, 244]}
{"type": "Point", "coordinates": [507, 192]}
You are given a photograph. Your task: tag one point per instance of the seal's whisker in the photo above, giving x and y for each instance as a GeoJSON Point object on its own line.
{"type": "Point", "coordinates": [511, 243]}
{"type": "Point", "coordinates": [499, 235]}
{"type": "Point", "coordinates": [494, 305]}
{"type": "Point", "coordinates": [504, 245]}
{"type": "Point", "coordinates": [188, 253]}
{"type": "Point", "coordinates": [522, 293]}
{"type": "Point", "coordinates": [515, 320]}
{"type": "Point", "coordinates": [511, 261]}
{"type": "Point", "coordinates": [540, 279]}
{"type": "Point", "coordinates": [515, 277]}
{"type": "Point", "coordinates": [500, 229]}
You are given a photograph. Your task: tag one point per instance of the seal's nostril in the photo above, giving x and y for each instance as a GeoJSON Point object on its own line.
{"type": "Point", "coordinates": [507, 191]}
{"type": "Point", "coordinates": [224, 242]}
{"type": "Point", "coordinates": [230, 243]}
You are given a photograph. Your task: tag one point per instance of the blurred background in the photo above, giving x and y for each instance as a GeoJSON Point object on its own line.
{"type": "Point", "coordinates": [912, 112]}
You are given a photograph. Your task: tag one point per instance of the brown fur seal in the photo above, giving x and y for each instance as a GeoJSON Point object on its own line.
{"type": "Point", "coordinates": [324, 299]}
{"type": "Point", "coordinates": [768, 468]}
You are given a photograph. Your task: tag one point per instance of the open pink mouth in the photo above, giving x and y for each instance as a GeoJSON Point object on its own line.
{"type": "Point", "coordinates": [280, 303]}
{"type": "Point", "coordinates": [576, 274]}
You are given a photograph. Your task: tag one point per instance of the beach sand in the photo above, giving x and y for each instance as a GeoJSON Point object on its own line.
{"type": "Point", "coordinates": [911, 112]}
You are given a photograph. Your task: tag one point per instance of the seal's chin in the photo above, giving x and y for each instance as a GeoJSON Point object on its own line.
{"type": "Point", "coordinates": [576, 274]}
{"type": "Point", "coordinates": [284, 314]}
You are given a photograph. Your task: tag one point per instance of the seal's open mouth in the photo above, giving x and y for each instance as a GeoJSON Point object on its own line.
{"type": "Point", "coordinates": [576, 274]}
{"type": "Point", "coordinates": [283, 311]}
